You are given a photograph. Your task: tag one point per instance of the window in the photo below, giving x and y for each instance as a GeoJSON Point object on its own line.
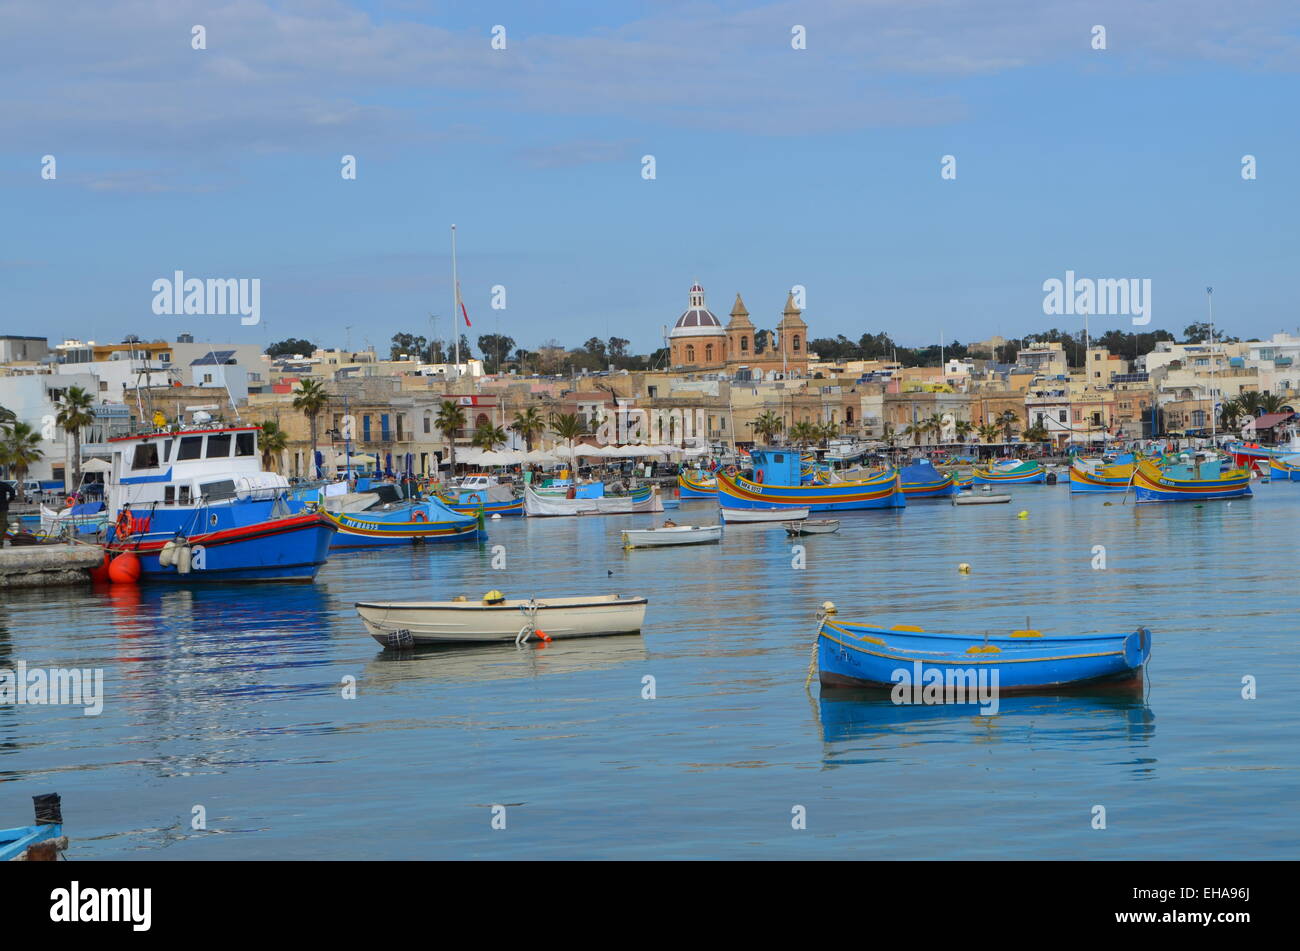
{"type": "Point", "coordinates": [796, 343]}
{"type": "Point", "coordinates": [779, 457]}
{"type": "Point", "coordinates": [245, 444]}
{"type": "Point", "coordinates": [218, 447]}
{"type": "Point", "coordinates": [169, 495]}
{"type": "Point", "coordinates": [744, 345]}
{"type": "Point", "coordinates": [1061, 416]}
{"type": "Point", "coordinates": [207, 378]}
{"type": "Point", "coordinates": [427, 423]}
{"type": "Point", "coordinates": [690, 354]}
{"type": "Point", "coordinates": [708, 353]}
{"type": "Point", "coordinates": [191, 448]}
{"type": "Point", "coordinates": [146, 456]}
{"type": "Point", "coordinates": [384, 432]}
{"type": "Point", "coordinates": [365, 427]}
{"type": "Point", "coordinates": [215, 491]}
{"type": "Point", "coordinates": [184, 498]}
{"type": "Point", "coordinates": [167, 449]}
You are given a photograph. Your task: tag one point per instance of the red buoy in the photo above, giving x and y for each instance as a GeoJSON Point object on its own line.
{"type": "Point", "coordinates": [124, 569]}
{"type": "Point", "coordinates": [99, 574]}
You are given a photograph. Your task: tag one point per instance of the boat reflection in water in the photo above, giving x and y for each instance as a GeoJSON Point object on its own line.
{"type": "Point", "coordinates": [1068, 721]}
{"type": "Point", "coordinates": [394, 669]}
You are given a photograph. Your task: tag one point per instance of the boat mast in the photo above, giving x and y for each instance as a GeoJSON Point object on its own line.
{"type": "Point", "coordinates": [455, 303]}
{"type": "Point", "coordinates": [1209, 297]}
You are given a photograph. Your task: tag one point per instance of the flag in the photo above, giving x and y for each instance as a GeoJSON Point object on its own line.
{"type": "Point", "coordinates": [464, 312]}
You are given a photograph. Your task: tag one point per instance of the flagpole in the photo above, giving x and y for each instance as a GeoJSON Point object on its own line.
{"type": "Point", "coordinates": [455, 301]}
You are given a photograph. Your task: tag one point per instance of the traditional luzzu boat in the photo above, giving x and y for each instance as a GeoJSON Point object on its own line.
{"type": "Point", "coordinates": [194, 505]}
{"type": "Point", "coordinates": [851, 654]}
{"type": "Point", "coordinates": [776, 485]}
{"type": "Point", "coordinates": [1197, 482]}
{"type": "Point", "coordinates": [1010, 472]}
{"type": "Point", "coordinates": [567, 488]}
{"type": "Point", "coordinates": [1287, 469]}
{"type": "Point", "coordinates": [695, 486]}
{"type": "Point", "coordinates": [398, 624]}
{"type": "Point", "coordinates": [1113, 477]}
{"type": "Point", "coordinates": [494, 500]}
{"type": "Point", "coordinates": [40, 842]}
{"type": "Point", "coordinates": [921, 480]}
{"type": "Point", "coordinates": [645, 499]}
{"type": "Point", "coordinates": [411, 523]}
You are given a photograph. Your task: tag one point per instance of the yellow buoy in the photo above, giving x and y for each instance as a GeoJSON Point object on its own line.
{"type": "Point", "coordinates": [1024, 514]}
{"type": "Point", "coordinates": [493, 597]}
{"type": "Point", "coordinates": [964, 568]}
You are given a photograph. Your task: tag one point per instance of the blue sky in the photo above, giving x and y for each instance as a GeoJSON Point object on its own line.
{"type": "Point", "coordinates": [775, 166]}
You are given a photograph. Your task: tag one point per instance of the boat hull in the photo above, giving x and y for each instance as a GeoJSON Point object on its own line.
{"type": "Point", "coordinates": [285, 549]}
{"type": "Point", "coordinates": [743, 516]}
{"type": "Point", "coordinates": [688, 488]}
{"type": "Point", "coordinates": [1032, 475]}
{"type": "Point", "coordinates": [640, 501]}
{"type": "Point", "coordinates": [414, 623]}
{"type": "Point", "coordinates": [423, 522]}
{"type": "Point", "coordinates": [862, 656]}
{"type": "Point", "coordinates": [666, 537]}
{"type": "Point", "coordinates": [1151, 485]}
{"type": "Point", "coordinates": [884, 491]}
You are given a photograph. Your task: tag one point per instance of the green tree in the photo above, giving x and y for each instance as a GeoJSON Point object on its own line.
{"type": "Point", "coordinates": [569, 426]}
{"type": "Point", "coordinates": [496, 350]}
{"type": "Point", "coordinates": [487, 436]}
{"type": "Point", "coordinates": [450, 419]}
{"type": "Point", "coordinates": [1007, 420]}
{"type": "Point", "coordinates": [767, 426]}
{"type": "Point", "coordinates": [273, 441]}
{"type": "Point", "coordinates": [20, 448]}
{"type": "Point", "coordinates": [529, 424]}
{"type": "Point", "coordinates": [310, 399]}
{"type": "Point", "coordinates": [76, 412]}
{"type": "Point", "coordinates": [290, 347]}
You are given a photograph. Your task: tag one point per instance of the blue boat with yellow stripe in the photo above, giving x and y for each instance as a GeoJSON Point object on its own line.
{"type": "Point", "coordinates": [921, 480]}
{"type": "Point", "coordinates": [420, 522]}
{"type": "Point", "coordinates": [852, 654]}
{"type": "Point", "coordinates": [776, 485]}
{"type": "Point", "coordinates": [1200, 482]}
{"type": "Point", "coordinates": [1011, 472]}
{"type": "Point", "coordinates": [696, 486]}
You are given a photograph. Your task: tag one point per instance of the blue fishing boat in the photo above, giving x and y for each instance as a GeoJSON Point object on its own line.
{"type": "Point", "coordinates": [863, 655]}
{"type": "Point", "coordinates": [1011, 472]}
{"type": "Point", "coordinates": [776, 485]}
{"type": "Point", "coordinates": [696, 486]}
{"type": "Point", "coordinates": [1287, 470]}
{"type": "Point", "coordinates": [1196, 482]}
{"type": "Point", "coordinates": [194, 505]}
{"type": "Point", "coordinates": [921, 480]}
{"type": "Point", "coordinates": [44, 838]}
{"type": "Point", "coordinates": [414, 522]}
{"type": "Point", "coordinates": [1115, 476]}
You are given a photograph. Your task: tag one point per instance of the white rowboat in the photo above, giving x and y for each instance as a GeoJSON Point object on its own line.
{"type": "Point", "coordinates": [813, 526]}
{"type": "Point", "coordinates": [415, 623]}
{"type": "Point", "coordinates": [675, 535]}
{"type": "Point", "coordinates": [763, 515]}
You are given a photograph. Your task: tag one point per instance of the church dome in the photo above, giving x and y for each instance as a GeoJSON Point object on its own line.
{"type": "Point", "coordinates": [698, 320]}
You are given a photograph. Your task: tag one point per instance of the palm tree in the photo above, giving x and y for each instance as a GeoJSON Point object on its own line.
{"type": "Point", "coordinates": [529, 424]}
{"type": "Point", "coordinates": [828, 432]}
{"type": "Point", "coordinates": [989, 432]}
{"type": "Point", "coordinates": [768, 425]}
{"type": "Point", "coordinates": [75, 414]}
{"type": "Point", "coordinates": [450, 419]}
{"type": "Point", "coordinates": [488, 436]}
{"type": "Point", "coordinates": [1230, 413]}
{"type": "Point", "coordinates": [20, 446]}
{"type": "Point", "coordinates": [310, 399]}
{"type": "Point", "coordinates": [913, 431]}
{"type": "Point", "coordinates": [7, 416]}
{"type": "Point", "coordinates": [1036, 433]}
{"type": "Point", "coordinates": [1271, 403]}
{"type": "Point", "coordinates": [1005, 421]}
{"type": "Point", "coordinates": [963, 428]}
{"type": "Point", "coordinates": [889, 434]}
{"type": "Point", "coordinates": [569, 426]}
{"type": "Point", "coordinates": [803, 433]}
{"type": "Point", "coordinates": [934, 425]}
{"type": "Point", "coordinates": [274, 441]}
{"type": "Point", "coordinates": [1251, 403]}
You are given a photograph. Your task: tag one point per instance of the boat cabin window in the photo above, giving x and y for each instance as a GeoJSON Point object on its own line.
{"type": "Point", "coordinates": [219, 446]}
{"type": "Point", "coordinates": [191, 448]}
{"type": "Point", "coordinates": [215, 491]}
{"type": "Point", "coordinates": [146, 456]}
{"type": "Point", "coordinates": [184, 497]}
{"type": "Point", "coordinates": [779, 457]}
{"type": "Point", "coordinates": [167, 449]}
{"type": "Point", "coordinates": [169, 495]}
{"type": "Point", "coordinates": [246, 444]}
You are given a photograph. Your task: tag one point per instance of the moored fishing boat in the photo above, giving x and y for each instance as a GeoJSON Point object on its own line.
{"type": "Point", "coordinates": [696, 486]}
{"type": "Point", "coordinates": [194, 505]}
{"type": "Point", "coordinates": [86, 518]}
{"type": "Point", "coordinates": [741, 516]}
{"type": "Point", "coordinates": [1199, 482]}
{"type": "Point", "coordinates": [776, 484]}
{"type": "Point", "coordinates": [641, 500]}
{"type": "Point", "coordinates": [1011, 472]}
{"type": "Point", "coordinates": [981, 498]}
{"type": "Point", "coordinates": [1287, 469]}
{"type": "Point", "coordinates": [411, 523]}
{"type": "Point", "coordinates": [921, 480]}
{"type": "Point", "coordinates": [491, 500]}
{"type": "Point", "coordinates": [863, 655]}
{"type": "Point", "coordinates": [40, 842]}
{"type": "Point", "coordinates": [671, 535]}
{"type": "Point", "coordinates": [1113, 477]}
{"type": "Point", "coordinates": [813, 526]}
{"type": "Point", "coordinates": [495, 619]}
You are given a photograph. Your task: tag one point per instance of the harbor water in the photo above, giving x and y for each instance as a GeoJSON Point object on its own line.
{"type": "Point", "coordinates": [697, 739]}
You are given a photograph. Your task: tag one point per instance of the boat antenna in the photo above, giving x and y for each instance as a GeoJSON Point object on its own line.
{"type": "Point", "coordinates": [1214, 422]}
{"type": "Point", "coordinates": [455, 302]}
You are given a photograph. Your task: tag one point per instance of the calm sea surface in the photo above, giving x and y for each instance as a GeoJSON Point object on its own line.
{"type": "Point", "coordinates": [232, 698]}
